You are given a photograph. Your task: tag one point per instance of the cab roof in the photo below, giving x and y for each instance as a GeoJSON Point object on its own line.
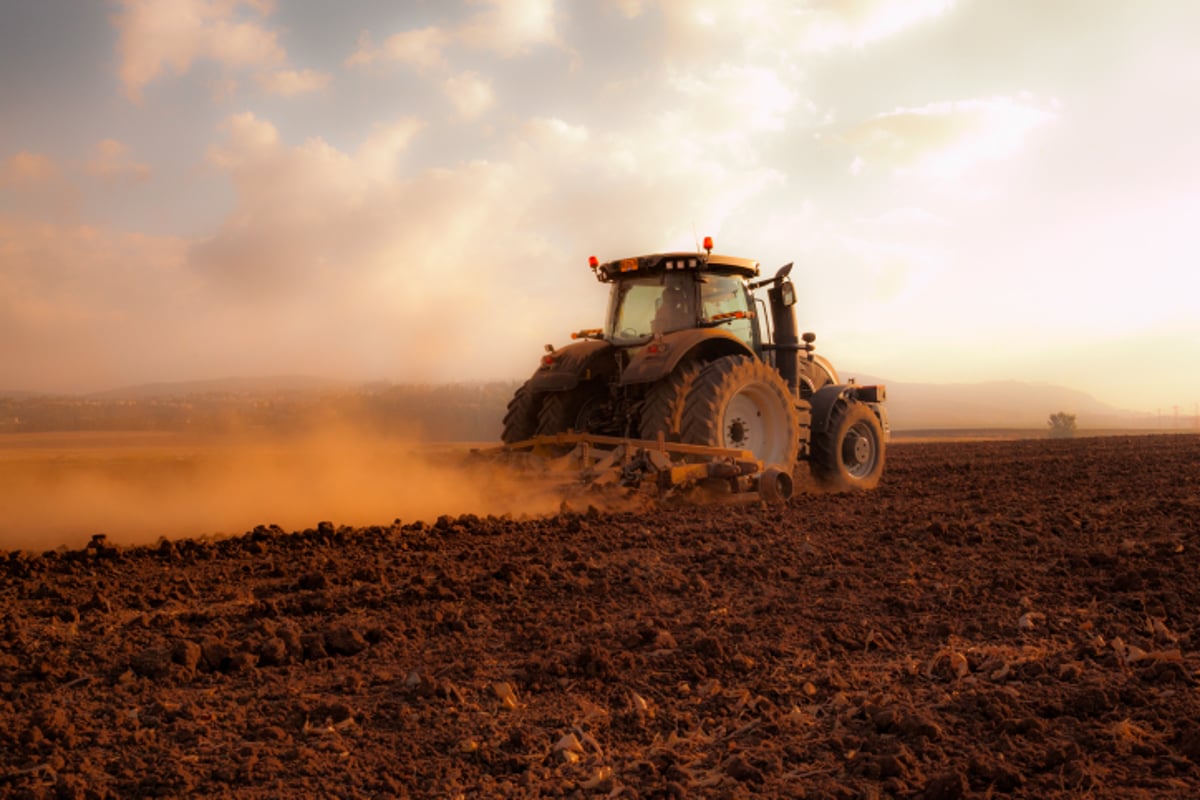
{"type": "Point", "coordinates": [657, 263]}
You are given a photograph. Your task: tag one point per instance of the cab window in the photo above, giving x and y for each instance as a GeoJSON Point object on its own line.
{"type": "Point", "coordinates": [724, 294]}
{"type": "Point", "coordinates": [644, 306]}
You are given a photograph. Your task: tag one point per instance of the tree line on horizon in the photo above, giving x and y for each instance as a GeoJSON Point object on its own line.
{"type": "Point", "coordinates": [468, 412]}
{"type": "Point", "coordinates": [458, 412]}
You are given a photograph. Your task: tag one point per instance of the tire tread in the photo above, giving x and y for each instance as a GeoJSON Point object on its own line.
{"type": "Point", "coordinates": [826, 463]}
{"type": "Point", "coordinates": [716, 383]}
{"type": "Point", "coordinates": [521, 415]}
{"type": "Point", "coordinates": [662, 409]}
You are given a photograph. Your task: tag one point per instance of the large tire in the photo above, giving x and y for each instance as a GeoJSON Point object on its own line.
{"type": "Point", "coordinates": [849, 452]}
{"type": "Point", "coordinates": [662, 409]}
{"type": "Point", "coordinates": [521, 418]}
{"type": "Point", "coordinates": [581, 410]}
{"type": "Point", "coordinates": [743, 403]}
{"type": "Point", "coordinates": [815, 375]}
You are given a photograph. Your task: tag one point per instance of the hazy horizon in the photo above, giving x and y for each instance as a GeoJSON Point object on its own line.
{"type": "Point", "coordinates": [287, 382]}
{"type": "Point", "coordinates": [409, 192]}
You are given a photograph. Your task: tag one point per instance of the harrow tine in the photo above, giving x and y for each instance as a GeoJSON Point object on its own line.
{"type": "Point", "coordinates": [666, 470]}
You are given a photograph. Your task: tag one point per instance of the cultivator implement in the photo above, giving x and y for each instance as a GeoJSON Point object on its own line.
{"type": "Point", "coordinates": [668, 471]}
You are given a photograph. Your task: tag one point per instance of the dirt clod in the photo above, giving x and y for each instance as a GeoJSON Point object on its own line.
{"type": "Point", "coordinates": [947, 786]}
{"type": "Point", "coordinates": [344, 641]}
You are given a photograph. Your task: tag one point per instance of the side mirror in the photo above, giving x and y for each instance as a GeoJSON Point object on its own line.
{"type": "Point", "coordinates": [787, 293]}
{"type": "Point", "coordinates": [780, 275]}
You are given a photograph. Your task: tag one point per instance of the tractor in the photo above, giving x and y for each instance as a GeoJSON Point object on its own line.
{"type": "Point", "coordinates": [690, 358]}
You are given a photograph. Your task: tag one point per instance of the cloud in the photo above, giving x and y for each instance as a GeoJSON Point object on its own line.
{"type": "Point", "coordinates": [776, 30]}
{"type": "Point", "coordinates": [756, 97]}
{"type": "Point", "coordinates": [551, 133]}
{"type": "Point", "coordinates": [422, 48]}
{"type": "Point", "coordinates": [290, 82]}
{"type": "Point", "coordinates": [248, 137]}
{"type": "Point", "coordinates": [856, 23]}
{"type": "Point", "coordinates": [358, 266]}
{"type": "Point", "coordinates": [631, 9]}
{"type": "Point", "coordinates": [311, 215]}
{"type": "Point", "coordinates": [35, 186]}
{"type": "Point", "coordinates": [507, 27]}
{"type": "Point", "coordinates": [331, 262]}
{"type": "Point", "coordinates": [361, 262]}
{"type": "Point", "coordinates": [27, 169]}
{"type": "Point", "coordinates": [643, 188]}
{"type": "Point", "coordinates": [111, 162]}
{"type": "Point", "coordinates": [157, 35]}
{"type": "Point", "coordinates": [470, 93]}
{"type": "Point", "coordinates": [222, 90]}
{"type": "Point", "coordinates": [510, 27]}
{"type": "Point", "coordinates": [33, 174]}
{"type": "Point", "coordinates": [945, 139]}
{"type": "Point", "coordinates": [81, 306]}
{"type": "Point", "coordinates": [379, 157]}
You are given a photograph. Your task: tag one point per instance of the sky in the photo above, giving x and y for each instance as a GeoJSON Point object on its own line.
{"type": "Point", "coordinates": [971, 190]}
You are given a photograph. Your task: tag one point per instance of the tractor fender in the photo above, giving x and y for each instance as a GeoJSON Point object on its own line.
{"type": "Point", "coordinates": [821, 363]}
{"type": "Point", "coordinates": [566, 367]}
{"type": "Point", "coordinates": [825, 399]}
{"type": "Point", "coordinates": [659, 358]}
{"type": "Point", "coordinates": [814, 372]}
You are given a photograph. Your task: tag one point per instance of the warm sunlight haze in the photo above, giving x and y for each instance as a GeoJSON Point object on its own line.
{"type": "Point", "coordinates": [972, 191]}
{"type": "Point", "coordinates": [600, 398]}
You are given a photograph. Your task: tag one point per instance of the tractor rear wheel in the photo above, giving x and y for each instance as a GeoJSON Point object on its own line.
{"type": "Point", "coordinates": [849, 452]}
{"type": "Point", "coordinates": [662, 409]}
{"type": "Point", "coordinates": [740, 402]}
{"type": "Point", "coordinates": [582, 409]}
{"type": "Point", "coordinates": [521, 418]}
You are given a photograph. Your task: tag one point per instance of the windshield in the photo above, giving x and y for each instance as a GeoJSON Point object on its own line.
{"type": "Point", "coordinates": [642, 307]}
{"type": "Point", "coordinates": [722, 297]}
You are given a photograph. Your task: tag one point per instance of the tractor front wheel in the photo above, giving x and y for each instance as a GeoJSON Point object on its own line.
{"type": "Point", "coordinates": [849, 452]}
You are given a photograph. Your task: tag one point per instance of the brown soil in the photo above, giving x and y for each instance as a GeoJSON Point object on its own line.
{"type": "Point", "coordinates": [998, 618]}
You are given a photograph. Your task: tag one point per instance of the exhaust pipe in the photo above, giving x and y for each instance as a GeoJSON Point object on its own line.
{"type": "Point", "coordinates": [787, 347]}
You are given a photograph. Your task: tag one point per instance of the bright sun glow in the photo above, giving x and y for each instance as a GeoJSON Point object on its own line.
{"type": "Point", "coordinates": [943, 140]}
{"type": "Point", "coordinates": [861, 23]}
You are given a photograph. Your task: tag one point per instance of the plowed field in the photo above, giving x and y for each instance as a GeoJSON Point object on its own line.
{"type": "Point", "coordinates": [1005, 618]}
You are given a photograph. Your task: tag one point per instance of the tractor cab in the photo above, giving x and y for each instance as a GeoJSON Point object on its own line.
{"type": "Point", "coordinates": [664, 293]}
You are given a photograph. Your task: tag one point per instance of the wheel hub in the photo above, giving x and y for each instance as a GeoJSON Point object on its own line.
{"type": "Point", "coordinates": [859, 451]}
{"type": "Point", "coordinates": [754, 411]}
{"type": "Point", "coordinates": [862, 449]}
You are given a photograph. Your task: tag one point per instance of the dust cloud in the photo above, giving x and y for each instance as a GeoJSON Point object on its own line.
{"type": "Point", "coordinates": [61, 489]}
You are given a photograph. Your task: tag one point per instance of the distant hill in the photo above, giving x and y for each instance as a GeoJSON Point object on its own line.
{"type": "Point", "coordinates": [240, 385]}
{"type": "Point", "coordinates": [473, 411]}
{"type": "Point", "coordinates": [1003, 404]}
